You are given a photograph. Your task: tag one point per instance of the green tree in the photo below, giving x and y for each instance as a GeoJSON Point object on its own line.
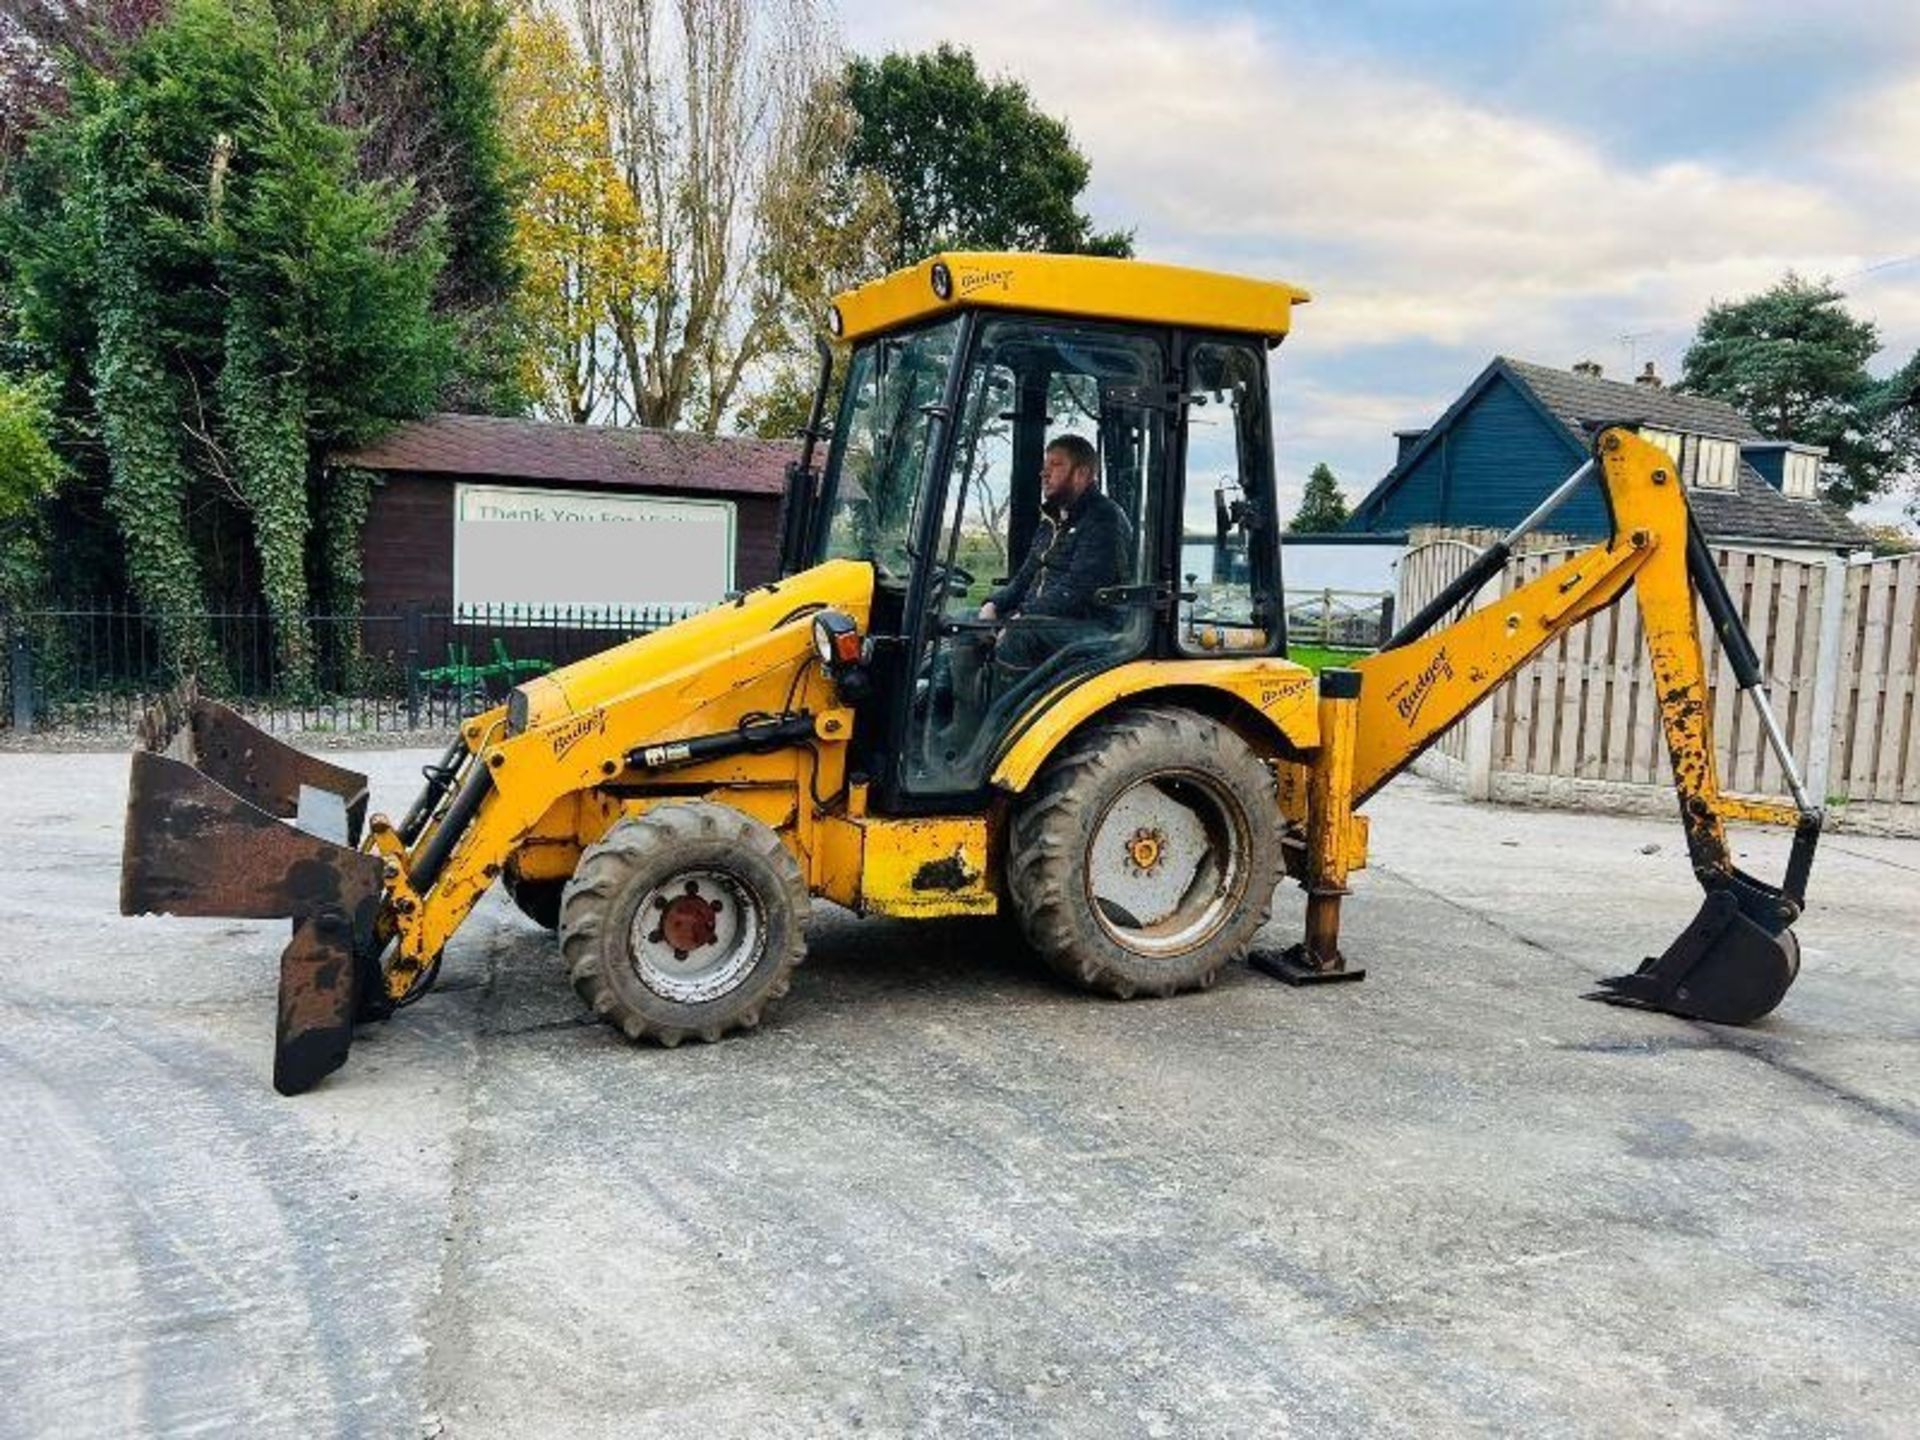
{"type": "Point", "coordinates": [423, 86]}
{"type": "Point", "coordinates": [1793, 361]}
{"type": "Point", "coordinates": [1894, 407]}
{"type": "Point", "coordinates": [225, 297]}
{"type": "Point", "coordinates": [970, 163]}
{"type": "Point", "coordinates": [1323, 508]}
{"type": "Point", "coordinates": [1891, 539]}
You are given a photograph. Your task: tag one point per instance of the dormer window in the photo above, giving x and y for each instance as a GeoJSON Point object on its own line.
{"type": "Point", "coordinates": [1667, 440]}
{"type": "Point", "coordinates": [1712, 464]}
{"type": "Point", "coordinates": [1800, 477]}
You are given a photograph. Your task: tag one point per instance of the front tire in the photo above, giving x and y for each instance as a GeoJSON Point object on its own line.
{"type": "Point", "coordinates": [1147, 854]}
{"type": "Point", "coordinates": [687, 920]}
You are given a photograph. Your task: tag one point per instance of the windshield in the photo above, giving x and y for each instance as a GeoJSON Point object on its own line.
{"type": "Point", "coordinates": [880, 446]}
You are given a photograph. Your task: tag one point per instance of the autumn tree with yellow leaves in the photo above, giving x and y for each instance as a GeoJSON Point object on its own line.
{"type": "Point", "coordinates": [589, 268]}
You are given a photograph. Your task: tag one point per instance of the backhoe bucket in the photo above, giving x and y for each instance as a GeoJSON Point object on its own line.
{"type": "Point", "coordinates": [1731, 966]}
{"type": "Point", "coordinates": [208, 834]}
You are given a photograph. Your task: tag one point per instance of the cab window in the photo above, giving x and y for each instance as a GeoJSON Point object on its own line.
{"type": "Point", "coordinates": [880, 448]}
{"type": "Point", "coordinates": [1228, 545]}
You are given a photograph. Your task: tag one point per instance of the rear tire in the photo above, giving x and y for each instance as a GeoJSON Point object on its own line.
{"type": "Point", "coordinates": [687, 920]}
{"type": "Point", "coordinates": [1146, 855]}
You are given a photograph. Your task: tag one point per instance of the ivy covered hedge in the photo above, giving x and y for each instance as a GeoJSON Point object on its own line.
{"type": "Point", "coordinates": [218, 256]}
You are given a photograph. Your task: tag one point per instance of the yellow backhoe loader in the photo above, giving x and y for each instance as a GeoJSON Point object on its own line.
{"type": "Point", "coordinates": [895, 727]}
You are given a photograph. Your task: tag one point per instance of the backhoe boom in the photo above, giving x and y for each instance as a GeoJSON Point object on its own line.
{"type": "Point", "coordinates": [1738, 957]}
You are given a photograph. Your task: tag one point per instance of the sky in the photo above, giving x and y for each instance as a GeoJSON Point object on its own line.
{"type": "Point", "coordinates": [1551, 181]}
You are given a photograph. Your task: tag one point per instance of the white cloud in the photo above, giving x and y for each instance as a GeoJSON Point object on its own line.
{"type": "Point", "coordinates": [1412, 212]}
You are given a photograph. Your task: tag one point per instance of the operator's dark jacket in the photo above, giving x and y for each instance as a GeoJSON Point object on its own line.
{"type": "Point", "coordinates": [1072, 555]}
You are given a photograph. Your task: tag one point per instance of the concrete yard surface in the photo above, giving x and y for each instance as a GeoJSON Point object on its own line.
{"type": "Point", "coordinates": [940, 1194]}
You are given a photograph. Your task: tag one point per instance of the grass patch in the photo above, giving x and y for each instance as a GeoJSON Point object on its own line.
{"type": "Point", "coordinates": [1318, 657]}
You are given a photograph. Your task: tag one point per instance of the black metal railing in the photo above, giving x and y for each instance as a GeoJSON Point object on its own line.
{"type": "Point", "coordinates": [81, 667]}
{"type": "Point", "coordinates": [94, 668]}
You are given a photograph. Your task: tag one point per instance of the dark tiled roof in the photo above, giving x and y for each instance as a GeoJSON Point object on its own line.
{"type": "Point", "coordinates": [1755, 511]}
{"type": "Point", "coordinates": [1578, 399]}
{"type": "Point", "coordinates": [579, 455]}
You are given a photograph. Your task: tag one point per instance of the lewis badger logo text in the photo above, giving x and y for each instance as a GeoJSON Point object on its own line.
{"type": "Point", "coordinates": [563, 739]}
{"type": "Point", "coordinates": [1410, 695]}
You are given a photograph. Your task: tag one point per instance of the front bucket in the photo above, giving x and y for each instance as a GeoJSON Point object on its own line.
{"type": "Point", "coordinates": [242, 758]}
{"type": "Point", "coordinates": [1727, 966]}
{"type": "Point", "coordinates": [195, 847]}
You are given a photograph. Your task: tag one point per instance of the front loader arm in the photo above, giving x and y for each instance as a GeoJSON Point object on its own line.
{"type": "Point", "coordinates": [729, 697]}
{"type": "Point", "coordinates": [585, 732]}
{"type": "Point", "coordinates": [1738, 957]}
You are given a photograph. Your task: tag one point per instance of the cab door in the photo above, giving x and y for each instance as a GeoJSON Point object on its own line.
{"type": "Point", "coordinates": [1028, 382]}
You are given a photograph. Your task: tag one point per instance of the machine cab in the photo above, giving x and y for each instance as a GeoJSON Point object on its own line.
{"type": "Point", "coordinates": [967, 377]}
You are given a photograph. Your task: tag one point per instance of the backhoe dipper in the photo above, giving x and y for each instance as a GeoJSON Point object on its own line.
{"type": "Point", "coordinates": [1132, 791]}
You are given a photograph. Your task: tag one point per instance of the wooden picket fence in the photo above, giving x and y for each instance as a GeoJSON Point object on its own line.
{"type": "Point", "coordinates": [1839, 642]}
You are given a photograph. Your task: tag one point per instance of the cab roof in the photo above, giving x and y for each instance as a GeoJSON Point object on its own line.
{"type": "Point", "coordinates": [1091, 286]}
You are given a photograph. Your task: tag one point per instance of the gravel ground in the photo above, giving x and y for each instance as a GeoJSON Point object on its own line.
{"type": "Point", "coordinates": [939, 1194]}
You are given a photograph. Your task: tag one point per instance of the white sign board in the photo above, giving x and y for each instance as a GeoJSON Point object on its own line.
{"type": "Point", "coordinates": [612, 554]}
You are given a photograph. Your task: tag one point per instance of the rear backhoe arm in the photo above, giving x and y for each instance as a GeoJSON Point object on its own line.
{"type": "Point", "coordinates": [1737, 958]}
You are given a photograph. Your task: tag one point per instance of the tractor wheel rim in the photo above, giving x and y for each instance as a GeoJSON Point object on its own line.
{"type": "Point", "coordinates": [1168, 863]}
{"type": "Point", "coordinates": [696, 936]}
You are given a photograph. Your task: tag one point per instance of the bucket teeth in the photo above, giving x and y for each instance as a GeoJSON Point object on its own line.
{"type": "Point", "coordinates": [1724, 967]}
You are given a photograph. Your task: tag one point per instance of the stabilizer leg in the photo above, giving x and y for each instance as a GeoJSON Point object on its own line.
{"type": "Point", "coordinates": [1317, 960]}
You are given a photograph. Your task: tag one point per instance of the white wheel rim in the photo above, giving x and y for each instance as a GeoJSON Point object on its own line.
{"type": "Point", "coordinates": [1168, 863]}
{"type": "Point", "coordinates": [696, 936]}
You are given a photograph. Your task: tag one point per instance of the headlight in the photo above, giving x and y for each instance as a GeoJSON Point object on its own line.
{"type": "Point", "coordinates": [836, 639]}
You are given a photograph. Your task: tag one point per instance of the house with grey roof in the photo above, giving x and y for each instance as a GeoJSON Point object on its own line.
{"type": "Point", "coordinates": [1519, 429]}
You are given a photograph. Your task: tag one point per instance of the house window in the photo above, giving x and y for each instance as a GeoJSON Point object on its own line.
{"type": "Point", "coordinates": [1801, 476]}
{"type": "Point", "coordinates": [1713, 465]}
